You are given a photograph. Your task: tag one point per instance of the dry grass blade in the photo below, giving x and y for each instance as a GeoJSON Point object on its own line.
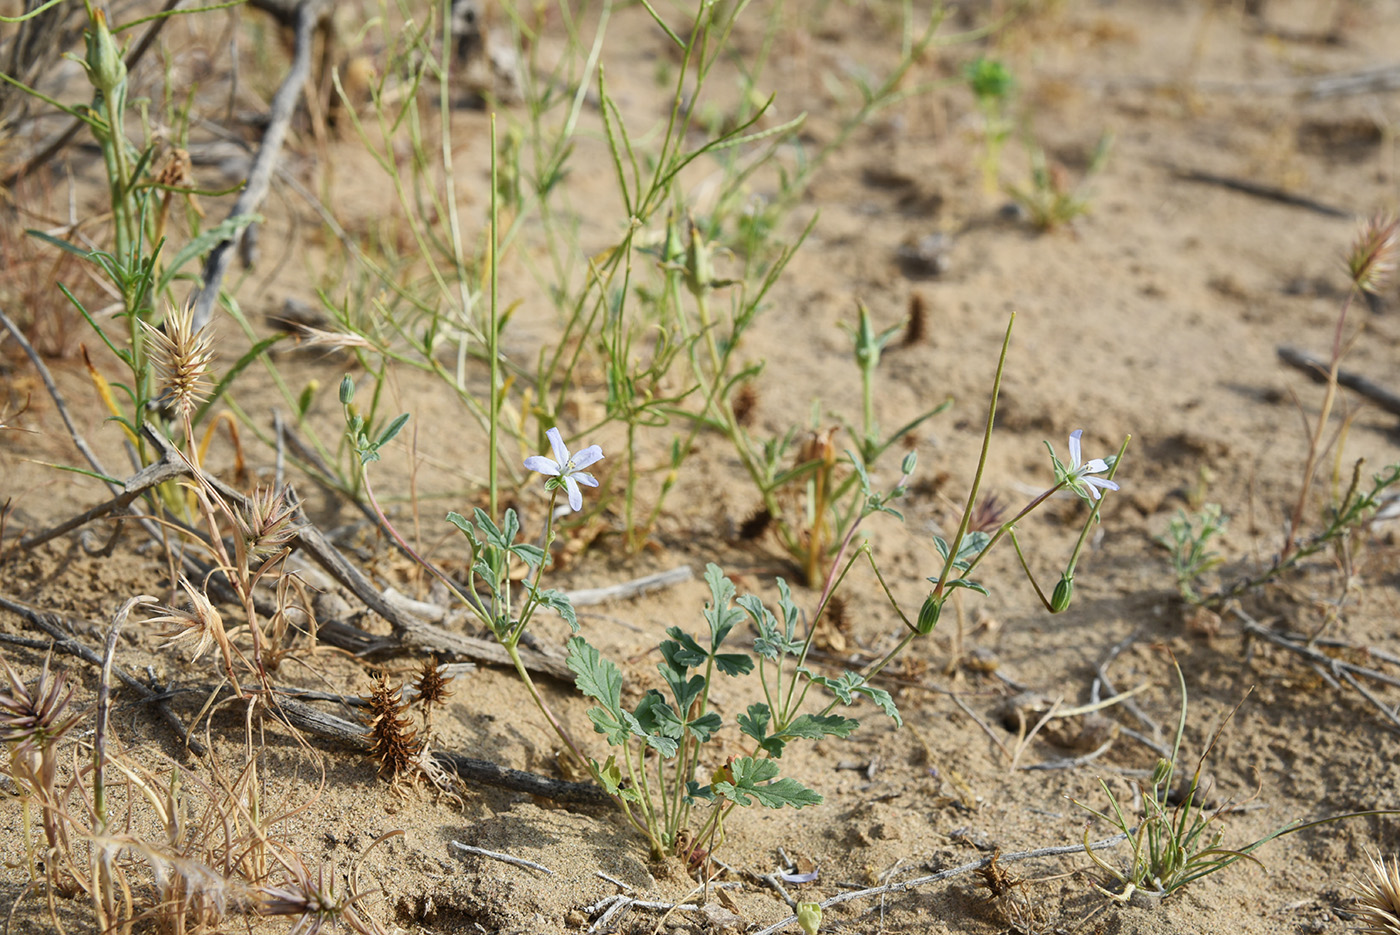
{"type": "Point", "coordinates": [1378, 898]}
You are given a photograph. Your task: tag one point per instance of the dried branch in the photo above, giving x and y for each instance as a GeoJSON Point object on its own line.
{"type": "Point", "coordinates": [308, 16]}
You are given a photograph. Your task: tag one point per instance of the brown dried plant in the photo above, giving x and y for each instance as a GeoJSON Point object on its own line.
{"type": "Point", "coordinates": [394, 744]}
{"type": "Point", "coordinates": [33, 719]}
{"type": "Point", "coordinates": [1371, 260]}
{"type": "Point", "coordinates": [432, 691]}
{"type": "Point", "coordinates": [201, 624]}
{"type": "Point", "coordinates": [1378, 898]}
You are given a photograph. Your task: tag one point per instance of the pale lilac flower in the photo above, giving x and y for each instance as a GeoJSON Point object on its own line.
{"type": "Point", "coordinates": [1078, 475]}
{"type": "Point", "coordinates": [567, 468]}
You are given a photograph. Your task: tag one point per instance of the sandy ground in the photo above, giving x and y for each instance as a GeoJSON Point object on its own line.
{"type": "Point", "coordinates": [1158, 314]}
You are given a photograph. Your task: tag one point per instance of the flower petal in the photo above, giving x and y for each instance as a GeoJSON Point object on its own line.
{"type": "Point", "coordinates": [575, 495]}
{"type": "Point", "coordinates": [584, 478]}
{"type": "Point", "coordinates": [1096, 466]}
{"type": "Point", "coordinates": [1075, 450]}
{"type": "Point", "coordinates": [556, 441]}
{"type": "Point", "coordinates": [1103, 482]}
{"type": "Point", "coordinates": [542, 464]}
{"type": "Point", "coordinates": [590, 455]}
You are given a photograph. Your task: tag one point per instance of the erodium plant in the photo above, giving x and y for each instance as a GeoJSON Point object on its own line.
{"type": "Point", "coordinates": [659, 770]}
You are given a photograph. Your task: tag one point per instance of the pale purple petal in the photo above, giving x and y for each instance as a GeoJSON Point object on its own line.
{"type": "Point", "coordinates": [1074, 449]}
{"type": "Point", "coordinates": [542, 464]}
{"type": "Point", "coordinates": [590, 455]}
{"type": "Point", "coordinates": [1096, 466]}
{"type": "Point", "coordinates": [575, 495]}
{"type": "Point", "coordinates": [556, 441]}
{"type": "Point", "coordinates": [809, 877]}
{"type": "Point", "coordinates": [1103, 482]}
{"type": "Point", "coordinates": [584, 478]}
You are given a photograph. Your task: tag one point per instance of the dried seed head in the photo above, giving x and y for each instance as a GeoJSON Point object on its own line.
{"type": "Point", "coordinates": [181, 355]}
{"type": "Point", "coordinates": [916, 327]}
{"type": "Point", "coordinates": [432, 683]}
{"type": "Point", "coordinates": [745, 402]}
{"type": "Point", "coordinates": [1378, 898]}
{"type": "Point", "coordinates": [266, 523]}
{"type": "Point", "coordinates": [819, 446]}
{"type": "Point", "coordinates": [201, 623]}
{"type": "Point", "coordinates": [313, 900]}
{"type": "Point", "coordinates": [987, 515]}
{"type": "Point", "coordinates": [31, 716]}
{"type": "Point", "coordinates": [1372, 256]}
{"type": "Point", "coordinates": [394, 744]}
{"type": "Point", "coordinates": [756, 524]}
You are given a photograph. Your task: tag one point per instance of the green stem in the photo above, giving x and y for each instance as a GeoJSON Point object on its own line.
{"type": "Point", "coordinates": [981, 463]}
{"type": "Point", "coordinates": [493, 333]}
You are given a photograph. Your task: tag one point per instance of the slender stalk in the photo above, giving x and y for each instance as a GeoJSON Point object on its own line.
{"type": "Point", "coordinates": [493, 332]}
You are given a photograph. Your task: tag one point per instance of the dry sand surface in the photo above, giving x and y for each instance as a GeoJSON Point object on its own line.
{"type": "Point", "coordinates": [1159, 314]}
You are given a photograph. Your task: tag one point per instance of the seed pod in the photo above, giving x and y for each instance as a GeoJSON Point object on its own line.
{"type": "Point", "coordinates": [928, 614]}
{"type": "Point", "coordinates": [1064, 593]}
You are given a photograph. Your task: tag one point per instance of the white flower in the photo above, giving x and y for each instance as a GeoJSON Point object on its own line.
{"type": "Point", "coordinates": [1078, 476]}
{"type": "Point", "coordinates": [569, 469]}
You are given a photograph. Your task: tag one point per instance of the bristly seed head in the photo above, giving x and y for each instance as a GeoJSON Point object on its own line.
{"type": "Point", "coordinates": [1372, 256]}
{"type": "Point", "coordinates": [266, 524]}
{"type": "Point", "coordinates": [31, 716]}
{"type": "Point", "coordinates": [181, 355]}
{"type": "Point", "coordinates": [1378, 898]}
{"type": "Point", "coordinates": [745, 402]}
{"type": "Point", "coordinates": [394, 744]}
{"type": "Point", "coordinates": [201, 623]}
{"type": "Point", "coordinates": [916, 325]}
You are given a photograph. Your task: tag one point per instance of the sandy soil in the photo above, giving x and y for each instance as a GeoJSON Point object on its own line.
{"type": "Point", "coordinates": [1158, 314]}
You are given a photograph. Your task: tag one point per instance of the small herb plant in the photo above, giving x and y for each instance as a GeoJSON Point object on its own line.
{"type": "Point", "coordinates": [656, 772]}
{"type": "Point", "coordinates": [1188, 542]}
{"type": "Point", "coordinates": [1171, 846]}
{"type": "Point", "coordinates": [660, 741]}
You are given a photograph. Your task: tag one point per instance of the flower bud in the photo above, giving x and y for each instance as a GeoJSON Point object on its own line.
{"type": "Point", "coordinates": [928, 614]}
{"type": "Point", "coordinates": [1064, 593]}
{"type": "Point", "coordinates": [1162, 772]}
{"type": "Point", "coordinates": [347, 390]}
{"type": "Point", "coordinates": [809, 917]}
{"type": "Point", "coordinates": [104, 64]}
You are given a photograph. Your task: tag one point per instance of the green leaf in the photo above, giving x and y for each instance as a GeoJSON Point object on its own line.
{"type": "Point", "coordinates": [618, 728]}
{"type": "Point", "coordinates": [598, 678]}
{"type": "Point", "coordinates": [206, 241]}
{"type": "Point", "coordinates": [755, 725]}
{"type": "Point", "coordinates": [968, 549]}
{"type": "Point", "coordinates": [817, 726]}
{"type": "Point", "coordinates": [461, 522]}
{"type": "Point", "coordinates": [705, 726]}
{"type": "Point", "coordinates": [488, 528]}
{"type": "Point", "coordinates": [531, 555]}
{"type": "Point", "coordinates": [718, 613]}
{"type": "Point", "coordinates": [393, 429]}
{"type": "Point", "coordinates": [610, 776]}
{"type": "Point", "coordinates": [883, 701]}
{"type": "Point", "coordinates": [227, 380]}
{"type": "Point", "coordinates": [733, 664]}
{"type": "Point", "coordinates": [559, 602]}
{"type": "Point", "coordinates": [851, 684]}
{"type": "Point", "coordinates": [685, 652]}
{"type": "Point", "coordinates": [967, 583]}
{"type": "Point", "coordinates": [684, 691]}
{"type": "Point", "coordinates": [754, 779]}
{"type": "Point", "coordinates": [659, 724]}
{"type": "Point", "coordinates": [63, 245]}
